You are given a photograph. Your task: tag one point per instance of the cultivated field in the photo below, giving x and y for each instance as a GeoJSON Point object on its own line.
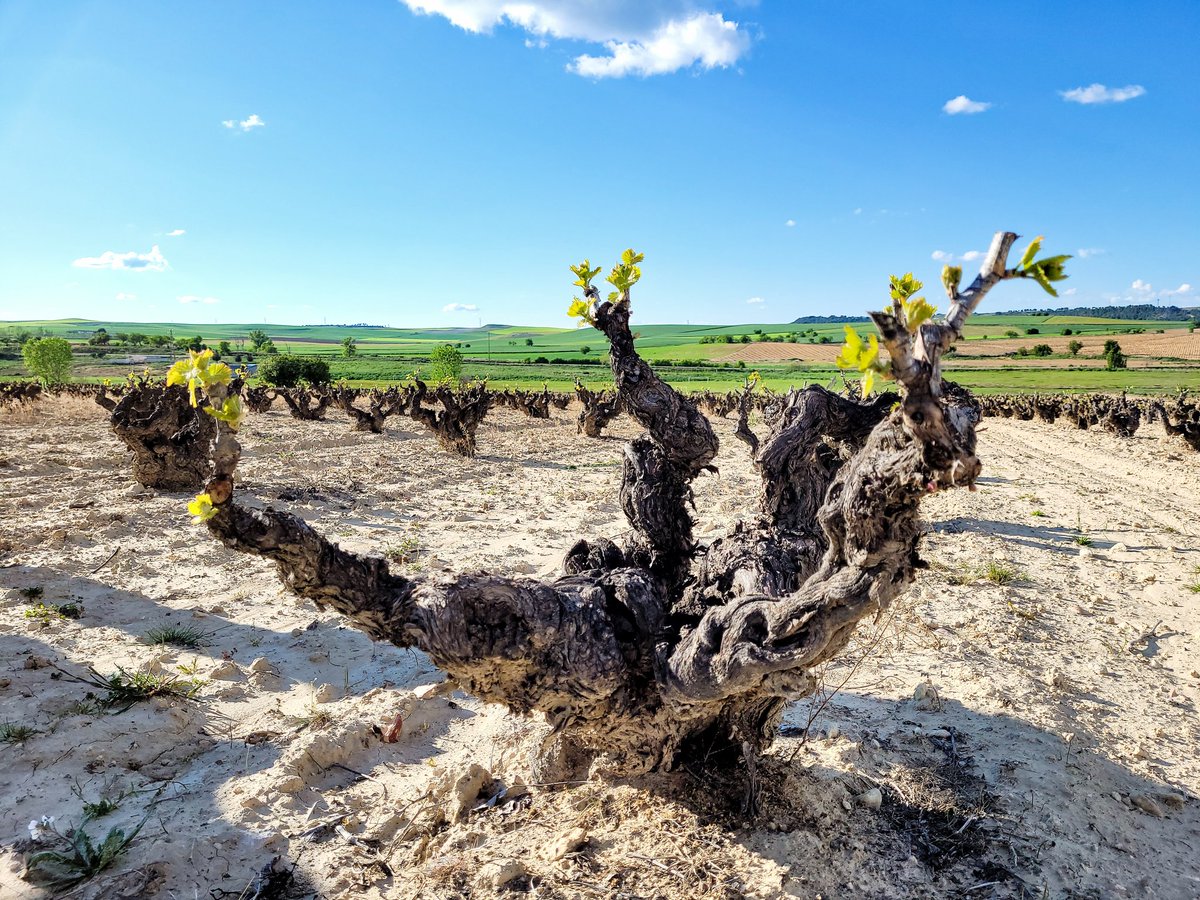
{"type": "Point", "coordinates": [1027, 710]}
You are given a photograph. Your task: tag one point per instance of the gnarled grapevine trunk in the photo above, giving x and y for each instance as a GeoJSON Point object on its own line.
{"type": "Point", "coordinates": [306, 405]}
{"type": "Point", "coordinates": [647, 651]}
{"type": "Point", "coordinates": [599, 408]}
{"type": "Point", "coordinates": [170, 439]}
{"type": "Point", "coordinates": [455, 424]}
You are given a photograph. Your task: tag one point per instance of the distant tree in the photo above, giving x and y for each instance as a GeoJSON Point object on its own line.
{"type": "Point", "coordinates": [727, 338]}
{"type": "Point", "coordinates": [1066, 331]}
{"type": "Point", "coordinates": [349, 346]}
{"type": "Point", "coordinates": [196, 343]}
{"type": "Point", "coordinates": [1032, 331]}
{"type": "Point", "coordinates": [445, 363]}
{"type": "Point", "coordinates": [1011, 334]}
{"type": "Point", "coordinates": [1075, 347]}
{"type": "Point", "coordinates": [1042, 350]}
{"type": "Point", "coordinates": [585, 349]}
{"type": "Point", "coordinates": [48, 358]}
{"type": "Point", "coordinates": [745, 339]}
{"type": "Point", "coordinates": [1113, 357]}
{"type": "Point", "coordinates": [223, 349]}
{"type": "Point", "coordinates": [258, 340]}
{"type": "Point", "coordinates": [99, 338]}
{"type": "Point", "coordinates": [528, 342]}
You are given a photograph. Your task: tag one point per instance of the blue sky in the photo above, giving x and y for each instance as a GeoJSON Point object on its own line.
{"type": "Point", "coordinates": [441, 162]}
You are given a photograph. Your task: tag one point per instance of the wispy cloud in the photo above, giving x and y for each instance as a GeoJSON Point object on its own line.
{"type": "Point", "coordinates": [1141, 287]}
{"type": "Point", "coordinates": [122, 295]}
{"type": "Point", "coordinates": [1088, 252]}
{"type": "Point", "coordinates": [132, 261]}
{"type": "Point", "coordinates": [652, 37]}
{"type": "Point", "coordinates": [790, 223]}
{"type": "Point", "coordinates": [756, 301]}
{"type": "Point", "coordinates": [193, 298]}
{"type": "Point", "coordinates": [944, 256]}
{"type": "Point", "coordinates": [1098, 93]}
{"type": "Point", "coordinates": [1184, 288]}
{"type": "Point", "coordinates": [460, 307]}
{"type": "Point", "coordinates": [964, 105]}
{"type": "Point", "coordinates": [178, 232]}
{"type": "Point", "coordinates": [251, 122]}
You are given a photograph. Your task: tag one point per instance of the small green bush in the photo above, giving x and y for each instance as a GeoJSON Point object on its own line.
{"type": "Point", "coordinates": [49, 358]}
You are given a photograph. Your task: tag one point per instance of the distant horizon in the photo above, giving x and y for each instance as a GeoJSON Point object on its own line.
{"type": "Point", "coordinates": [9, 323]}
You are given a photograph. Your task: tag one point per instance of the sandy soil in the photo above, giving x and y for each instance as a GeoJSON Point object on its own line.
{"type": "Point", "coordinates": [1035, 738]}
{"type": "Point", "coordinates": [1177, 344]}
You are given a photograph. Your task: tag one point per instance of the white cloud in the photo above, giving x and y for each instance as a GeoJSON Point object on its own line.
{"type": "Point", "coordinates": [790, 223]}
{"type": "Point", "coordinates": [122, 295]}
{"type": "Point", "coordinates": [705, 39]}
{"type": "Point", "coordinates": [178, 232]}
{"type": "Point", "coordinates": [133, 261]}
{"type": "Point", "coordinates": [460, 307]}
{"type": "Point", "coordinates": [253, 121]}
{"type": "Point", "coordinates": [650, 37]}
{"type": "Point", "coordinates": [858, 210]}
{"type": "Point", "coordinates": [1069, 292]}
{"type": "Point", "coordinates": [1086, 252]}
{"type": "Point", "coordinates": [1184, 288]}
{"type": "Point", "coordinates": [756, 300]}
{"type": "Point", "coordinates": [943, 256]}
{"type": "Point", "coordinates": [964, 105]}
{"type": "Point", "coordinates": [193, 298]}
{"type": "Point", "coordinates": [1098, 93]}
{"type": "Point", "coordinates": [1141, 287]}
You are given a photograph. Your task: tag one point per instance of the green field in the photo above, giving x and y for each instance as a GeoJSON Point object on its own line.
{"type": "Point", "coordinates": [690, 356]}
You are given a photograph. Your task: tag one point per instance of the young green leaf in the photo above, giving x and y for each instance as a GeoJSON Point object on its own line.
{"type": "Point", "coordinates": [1031, 252]}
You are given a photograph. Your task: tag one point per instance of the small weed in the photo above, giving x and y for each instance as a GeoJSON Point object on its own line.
{"type": "Point", "coordinates": [1083, 540]}
{"type": "Point", "coordinates": [1038, 513]}
{"type": "Point", "coordinates": [312, 717]}
{"type": "Point", "coordinates": [123, 689]}
{"type": "Point", "coordinates": [186, 636]}
{"type": "Point", "coordinates": [1194, 587]}
{"type": "Point", "coordinates": [1000, 574]}
{"type": "Point", "coordinates": [32, 593]}
{"type": "Point", "coordinates": [13, 733]}
{"type": "Point", "coordinates": [46, 614]}
{"type": "Point", "coordinates": [81, 858]}
{"type": "Point", "coordinates": [405, 552]}
{"type": "Point", "coordinates": [43, 615]}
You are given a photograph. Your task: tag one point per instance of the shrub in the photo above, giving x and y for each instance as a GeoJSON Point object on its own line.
{"type": "Point", "coordinates": [286, 370]}
{"type": "Point", "coordinates": [1066, 331]}
{"type": "Point", "coordinates": [48, 358]}
{"type": "Point", "coordinates": [1032, 331]}
{"type": "Point", "coordinates": [1011, 334]}
{"type": "Point", "coordinates": [1042, 350]}
{"type": "Point", "coordinates": [445, 362]}
{"type": "Point", "coordinates": [1075, 347]}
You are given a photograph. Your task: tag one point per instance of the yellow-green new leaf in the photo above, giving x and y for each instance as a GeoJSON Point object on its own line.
{"type": "Point", "coordinates": [1031, 252]}
{"type": "Point", "coordinates": [231, 412]}
{"type": "Point", "coordinates": [202, 509]}
{"type": "Point", "coordinates": [916, 311]}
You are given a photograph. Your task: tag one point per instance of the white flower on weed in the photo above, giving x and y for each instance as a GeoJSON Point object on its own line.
{"type": "Point", "coordinates": [40, 828]}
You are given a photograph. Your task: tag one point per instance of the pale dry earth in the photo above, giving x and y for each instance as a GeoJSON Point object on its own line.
{"type": "Point", "coordinates": [1053, 718]}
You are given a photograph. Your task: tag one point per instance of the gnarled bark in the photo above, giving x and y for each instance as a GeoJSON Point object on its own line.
{"type": "Point", "coordinates": [171, 440]}
{"type": "Point", "coordinates": [455, 424]}
{"type": "Point", "coordinates": [304, 404]}
{"type": "Point", "coordinates": [599, 408]}
{"type": "Point", "coordinates": [642, 652]}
